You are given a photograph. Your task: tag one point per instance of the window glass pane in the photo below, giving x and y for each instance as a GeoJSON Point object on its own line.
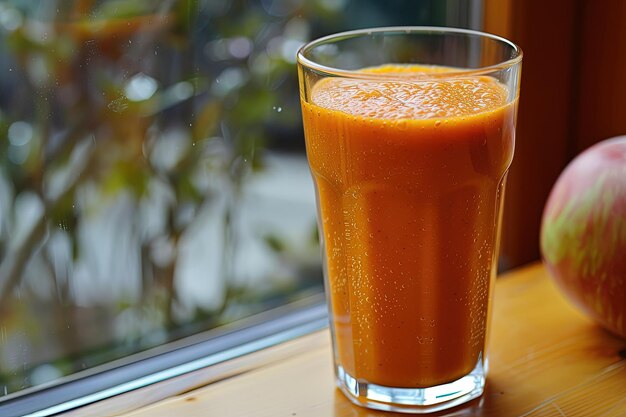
{"type": "Point", "coordinates": [153, 182]}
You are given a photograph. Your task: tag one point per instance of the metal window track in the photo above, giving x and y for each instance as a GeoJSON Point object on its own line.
{"type": "Point", "coordinates": [170, 360]}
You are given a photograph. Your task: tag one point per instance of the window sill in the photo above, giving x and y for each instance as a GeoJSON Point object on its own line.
{"type": "Point", "coordinates": [175, 367]}
{"type": "Point", "coordinates": [545, 357]}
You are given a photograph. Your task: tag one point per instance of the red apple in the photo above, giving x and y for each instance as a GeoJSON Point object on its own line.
{"type": "Point", "coordinates": [583, 233]}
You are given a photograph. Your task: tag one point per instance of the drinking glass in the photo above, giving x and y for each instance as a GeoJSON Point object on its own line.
{"type": "Point", "coordinates": [409, 135]}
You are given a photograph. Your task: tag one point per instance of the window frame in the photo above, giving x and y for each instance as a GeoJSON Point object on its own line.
{"type": "Point", "coordinates": [170, 360]}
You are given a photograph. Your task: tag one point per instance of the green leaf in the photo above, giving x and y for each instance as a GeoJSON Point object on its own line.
{"type": "Point", "coordinates": [126, 175]}
{"type": "Point", "coordinates": [315, 235]}
{"type": "Point", "coordinates": [186, 190]}
{"type": "Point", "coordinates": [207, 120]}
{"type": "Point", "coordinates": [119, 9]}
{"type": "Point", "coordinates": [186, 11]}
{"type": "Point", "coordinates": [274, 242]}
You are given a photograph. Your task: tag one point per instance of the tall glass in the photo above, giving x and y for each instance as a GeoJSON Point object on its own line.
{"type": "Point", "coordinates": [409, 135]}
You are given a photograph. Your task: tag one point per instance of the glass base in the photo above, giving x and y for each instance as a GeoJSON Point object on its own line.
{"type": "Point", "coordinates": [413, 400]}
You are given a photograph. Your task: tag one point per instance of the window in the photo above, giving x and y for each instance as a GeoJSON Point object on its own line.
{"type": "Point", "coordinates": [154, 193]}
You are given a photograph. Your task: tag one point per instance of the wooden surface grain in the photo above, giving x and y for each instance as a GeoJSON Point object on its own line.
{"type": "Point", "coordinates": [546, 359]}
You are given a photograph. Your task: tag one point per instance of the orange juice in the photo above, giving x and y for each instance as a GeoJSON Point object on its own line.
{"type": "Point", "coordinates": [410, 176]}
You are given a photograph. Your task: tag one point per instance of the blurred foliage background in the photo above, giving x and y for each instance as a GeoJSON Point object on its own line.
{"type": "Point", "coordinates": [153, 182]}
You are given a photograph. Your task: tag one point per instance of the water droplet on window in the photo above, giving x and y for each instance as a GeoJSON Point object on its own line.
{"type": "Point", "coordinates": [118, 105]}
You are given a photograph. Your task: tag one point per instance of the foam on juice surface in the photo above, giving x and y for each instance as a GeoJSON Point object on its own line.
{"type": "Point", "coordinates": [409, 96]}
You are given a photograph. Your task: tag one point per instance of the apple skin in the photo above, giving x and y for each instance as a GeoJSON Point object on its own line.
{"type": "Point", "coordinates": [583, 233]}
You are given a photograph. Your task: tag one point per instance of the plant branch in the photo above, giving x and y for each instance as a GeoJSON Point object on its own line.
{"type": "Point", "coordinates": [15, 259]}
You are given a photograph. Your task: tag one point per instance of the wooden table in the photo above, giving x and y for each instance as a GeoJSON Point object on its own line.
{"type": "Point", "coordinates": [546, 359]}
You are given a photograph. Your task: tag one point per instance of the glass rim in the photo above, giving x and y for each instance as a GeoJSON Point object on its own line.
{"type": "Point", "coordinates": [406, 30]}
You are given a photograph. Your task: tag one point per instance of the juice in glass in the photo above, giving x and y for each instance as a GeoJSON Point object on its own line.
{"type": "Point", "coordinates": [409, 164]}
